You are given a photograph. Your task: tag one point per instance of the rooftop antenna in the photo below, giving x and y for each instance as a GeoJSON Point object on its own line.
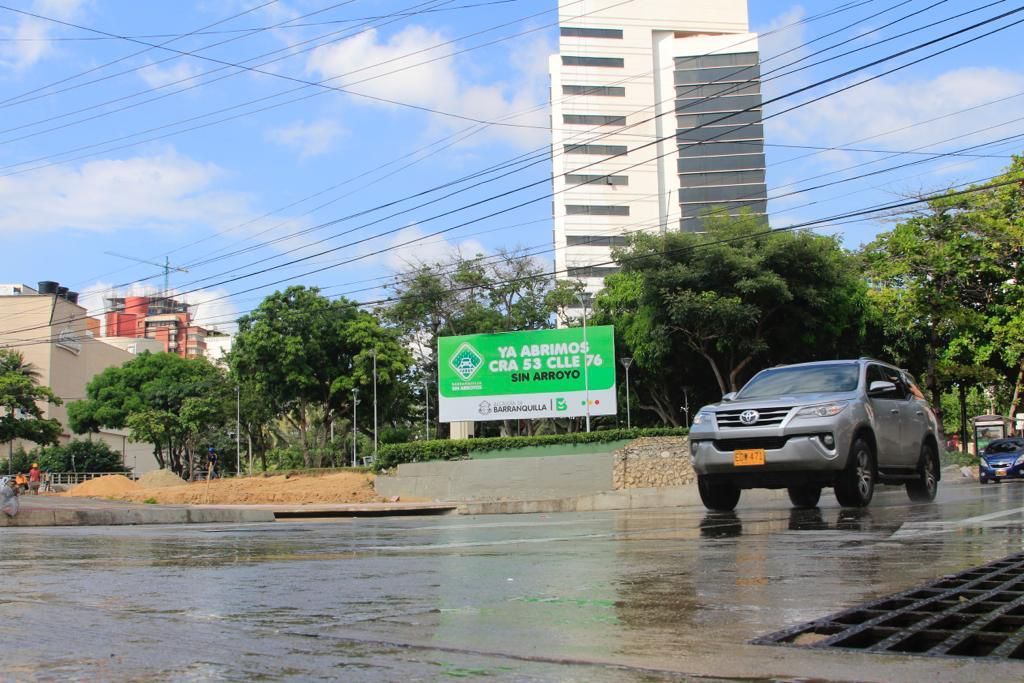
{"type": "Point", "coordinates": [166, 265]}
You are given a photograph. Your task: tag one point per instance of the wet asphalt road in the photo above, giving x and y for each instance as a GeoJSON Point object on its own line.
{"type": "Point", "coordinates": [614, 596]}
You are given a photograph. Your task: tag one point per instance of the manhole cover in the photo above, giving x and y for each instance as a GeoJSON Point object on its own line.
{"type": "Point", "coordinates": [976, 613]}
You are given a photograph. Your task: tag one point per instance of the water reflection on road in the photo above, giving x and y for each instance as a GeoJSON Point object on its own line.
{"type": "Point", "coordinates": [616, 596]}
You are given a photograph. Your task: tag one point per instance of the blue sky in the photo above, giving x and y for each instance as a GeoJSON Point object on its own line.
{"type": "Point", "coordinates": [109, 145]}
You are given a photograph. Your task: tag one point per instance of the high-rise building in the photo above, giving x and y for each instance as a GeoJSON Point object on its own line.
{"type": "Point", "coordinates": [156, 317]}
{"type": "Point", "coordinates": [656, 122]}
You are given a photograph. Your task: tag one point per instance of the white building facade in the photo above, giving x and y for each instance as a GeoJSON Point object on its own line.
{"type": "Point", "coordinates": [656, 121]}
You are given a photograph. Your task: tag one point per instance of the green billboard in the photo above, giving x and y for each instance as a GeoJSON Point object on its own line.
{"type": "Point", "coordinates": [515, 375]}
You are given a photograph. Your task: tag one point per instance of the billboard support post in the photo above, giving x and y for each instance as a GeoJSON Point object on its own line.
{"type": "Point", "coordinates": [586, 362]}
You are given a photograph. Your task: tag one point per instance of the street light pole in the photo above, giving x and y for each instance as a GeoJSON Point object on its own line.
{"type": "Point", "coordinates": [355, 430]}
{"type": "Point", "coordinates": [626, 362]}
{"type": "Point", "coordinates": [586, 354]}
{"type": "Point", "coordinates": [375, 404]}
{"type": "Point", "coordinates": [426, 400]}
{"type": "Point", "coordinates": [238, 430]}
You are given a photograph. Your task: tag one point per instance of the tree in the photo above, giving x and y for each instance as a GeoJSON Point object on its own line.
{"type": "Point", "coordinates": [306, 354]}
{"type": "Point", "coordinates": [947, 285]}
{"type": "Point", "coordinates": [736, 297]}
{"type": "Point", "coordinates": [79, 456]}
{"type": "Point", "coordinates": [179, 405]}
{"type": "Point", "coordinates": [20, 398]}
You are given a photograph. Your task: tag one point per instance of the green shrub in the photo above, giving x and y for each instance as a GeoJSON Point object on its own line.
{"type": "Point", "coordinates": [390, 455]}
{"type": "Point", "coordinates": [77, 456]}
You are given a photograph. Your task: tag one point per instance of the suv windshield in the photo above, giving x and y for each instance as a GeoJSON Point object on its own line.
{"type": "Point", "coordinates": [808, 379]}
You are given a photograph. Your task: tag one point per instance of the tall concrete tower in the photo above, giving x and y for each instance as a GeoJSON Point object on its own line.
{"type": "Point", "coordinates": [656, 121]}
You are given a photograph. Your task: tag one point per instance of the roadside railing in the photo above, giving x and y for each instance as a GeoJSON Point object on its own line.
{"type": "Point", "coordinates": [72, 478]}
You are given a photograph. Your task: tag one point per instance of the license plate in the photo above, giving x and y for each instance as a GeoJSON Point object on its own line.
{"type": "Point", "coordinates": [747, 457]}
{"type": "Point", "coordinates": [1000, 473]}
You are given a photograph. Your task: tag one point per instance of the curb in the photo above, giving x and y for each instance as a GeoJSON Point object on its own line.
{"type": "Point", "coordinates": [36, 517]}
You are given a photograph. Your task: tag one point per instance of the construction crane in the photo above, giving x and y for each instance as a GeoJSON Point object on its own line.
{"type": "Point", "coordinates": [166, 265]}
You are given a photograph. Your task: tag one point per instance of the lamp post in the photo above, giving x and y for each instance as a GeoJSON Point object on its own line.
{"type": "Point", "coordinates": [355, 430]}
{"type": "Point", "coordinates": [238, 431]}
{"type": "Point", "coordinates": [586, 354]}
{"type": "Point", "coordinates": [375, 404]}
{"type": "Point", "coordinates": [686, 404]}
{"type": "Point", "coordinates": [426, 403]}
{"type": "Point", "coordinates": [626, 362]}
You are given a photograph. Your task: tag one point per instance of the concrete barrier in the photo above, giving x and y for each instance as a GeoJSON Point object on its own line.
{"type": "Point", "coordinates": [127, 515]}
{"type": "Point", "coordinates": [559, 476]}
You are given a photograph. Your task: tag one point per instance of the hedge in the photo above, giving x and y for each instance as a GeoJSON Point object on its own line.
{"type": "Point", "coordinates": [391, 455]}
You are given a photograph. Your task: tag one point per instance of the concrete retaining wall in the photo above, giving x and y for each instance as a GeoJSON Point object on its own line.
{"type": "Point", "coordinates": [653, 462]}
{"type": "Point", "coordinates": [560, 476]}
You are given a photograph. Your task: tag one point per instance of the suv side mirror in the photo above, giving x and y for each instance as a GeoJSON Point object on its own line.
{"type": "Point", "coordinates": [730, 396]}
{"type": "Point", "coordinates": [880, 388]}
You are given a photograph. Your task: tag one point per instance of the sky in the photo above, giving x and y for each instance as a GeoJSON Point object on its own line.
{"type": "Point", "coordinates": [131, 129]}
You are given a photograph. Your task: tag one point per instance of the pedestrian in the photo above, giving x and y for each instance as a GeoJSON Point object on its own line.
{"type": "Point", "coordinates": [20, 482]}
{"type": "Point", "coordinates": [34, 479]}
{"type": "Point", "coordinates": [211, 456]}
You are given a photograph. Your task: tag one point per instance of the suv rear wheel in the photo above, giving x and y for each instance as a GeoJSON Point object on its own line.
{"type": "Point", "coordinates": [717, 495]}
{"type": "Point", "coordinates": [923, 489]}
{"type": "Point", "coordinates": [856, 484]}
{"type": "Point", "coordinates": [805, 495]}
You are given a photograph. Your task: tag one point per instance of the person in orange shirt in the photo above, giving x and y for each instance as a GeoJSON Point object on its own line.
{"type": "Point", "coordinates": [34, 479]}
{"type": "Point", "coordinates": [21, 482]}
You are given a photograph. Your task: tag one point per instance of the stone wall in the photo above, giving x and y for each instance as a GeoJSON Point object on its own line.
{"type": "Point", "coordinates": [653, 462]}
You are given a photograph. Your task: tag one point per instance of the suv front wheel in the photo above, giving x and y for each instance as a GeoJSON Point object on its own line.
{"type": "Point", "coordinates": [717, 495]}
{"type": "Point", "coordinates": [856, 484]}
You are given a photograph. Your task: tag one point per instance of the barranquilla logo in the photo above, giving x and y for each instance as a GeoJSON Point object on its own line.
{"type": "Point", "coordinates": [561, 405]}
{"type": "Point", "coordinates": [466, 361]}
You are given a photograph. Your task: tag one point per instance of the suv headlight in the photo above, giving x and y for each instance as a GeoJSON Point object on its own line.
{"type": "Point", "coordinates": [1019, 461]}
{"type": "Point", "coordinates": [823, 409]}
{"type": "Point", "coordinates": [704, 417]}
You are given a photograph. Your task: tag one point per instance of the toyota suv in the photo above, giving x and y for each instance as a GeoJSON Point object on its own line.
{"type": "Point", "coordinates": [847, 424]}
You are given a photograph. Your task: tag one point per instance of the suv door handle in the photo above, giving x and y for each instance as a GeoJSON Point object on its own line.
{"type": "Point", "coordinates": [895, 411]}
{"type": "Point", "coordinates": [919, 412]}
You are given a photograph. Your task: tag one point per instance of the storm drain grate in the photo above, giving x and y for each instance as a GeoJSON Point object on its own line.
{"type": "Point", "coordinates": [976, 613]}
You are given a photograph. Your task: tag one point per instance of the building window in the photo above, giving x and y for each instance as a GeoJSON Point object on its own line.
{"type": "Point", "coordinates": [574, 32]}
{"type": "Point", "coordinates": [581, 179]}
{"type": "Point", "coordinates": [593, 120]}
{"type": "Point", "coordinates": [589, 210]}
{"type": "Point", "coordinates": [723, 178]}
{"type": "Point", "coordinates": [596, 240]}
{"type": "Point", "coordinates": [596, 90]}
{"type": "Point", "coordinates": [606, 62]}
{"type": "Point", "coordinates": [592, 271]}
{"type": "Point", "coordinates": [603, 150]}
{"type": "Point", "coordinates": [711, 61]}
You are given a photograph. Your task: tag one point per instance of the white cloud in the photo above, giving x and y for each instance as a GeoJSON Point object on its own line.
{"type": "Point", "coordinates": [884, 105]}
{"type": "Point", "coordinates": [179, 72]}
{"type": "Point", "coordinates": [428, 251]}
{"type": "Point", "coordinates": [31, 37]}
{"type": "Point", "coordinates": [406, 67]}
{"type": "Point", "coordinates": [310, 139]}
{"type": "Point", "coordinates": [162, 192]}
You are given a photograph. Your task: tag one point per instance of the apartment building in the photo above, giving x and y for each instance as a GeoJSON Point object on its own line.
{"type": "Point", "coordinates": [656, 122]}
{"type": "Point", "coordinates": [53, 333]}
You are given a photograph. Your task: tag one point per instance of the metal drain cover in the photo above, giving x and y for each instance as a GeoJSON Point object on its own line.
{"type": "Point", "coordinates": [976, 613]}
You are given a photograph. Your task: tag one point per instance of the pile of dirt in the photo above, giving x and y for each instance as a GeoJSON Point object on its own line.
{"type": "Point", "coordinates": [160, 478]}
{"type": "Point", "coordinates": [335, 487]}
{"type": "Point", "coordinates": [109, 486]}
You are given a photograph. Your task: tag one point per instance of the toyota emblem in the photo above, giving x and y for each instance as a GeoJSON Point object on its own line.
{"type": "Point", "coordinates": [749, 417]}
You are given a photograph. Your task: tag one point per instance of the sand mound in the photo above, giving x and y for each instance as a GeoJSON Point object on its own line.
{"type": "Point", "coordinates": [110, 486]}
{"type": "Point", "coordinates": [335, 487]}
{"type": "Point", "coordinates": [160, 478]}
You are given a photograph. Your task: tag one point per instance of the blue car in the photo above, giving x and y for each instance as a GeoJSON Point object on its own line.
{"type": "Point", "coordinates": [1002, 459]}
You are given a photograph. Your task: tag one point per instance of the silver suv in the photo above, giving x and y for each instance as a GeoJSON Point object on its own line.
{"type": "Point", "coordinates": [846, 424]}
